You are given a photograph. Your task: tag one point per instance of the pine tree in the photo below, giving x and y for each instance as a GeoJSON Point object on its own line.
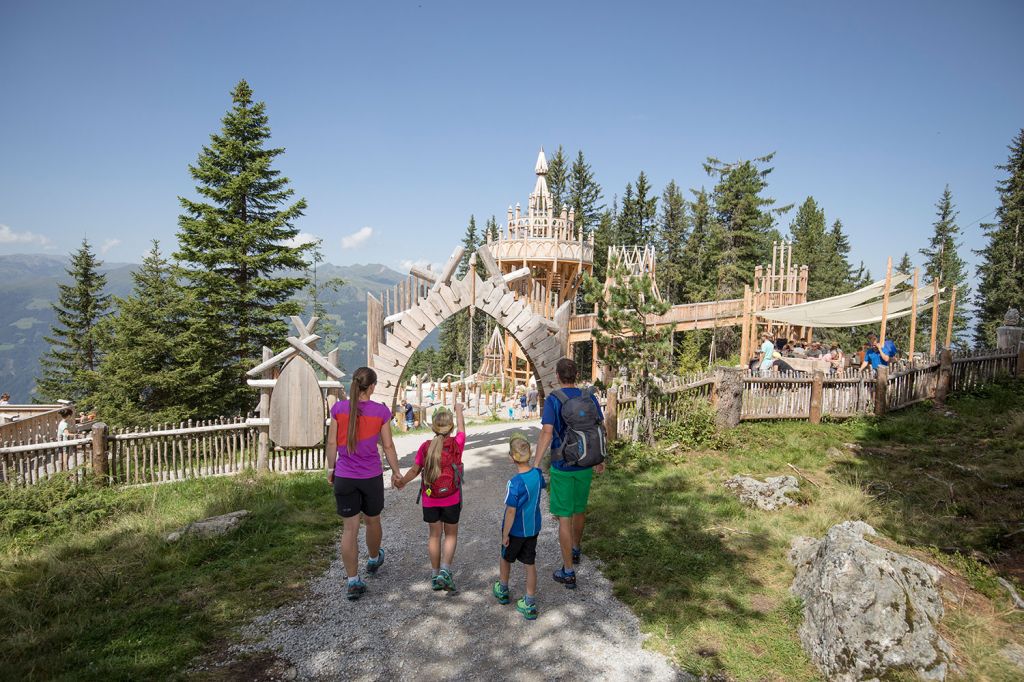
{"type": "Point", "coordinates": [702, 251]}
{"type": "Point", "coordinates": [637, 224]}
{"type": "Point", "coordinates": [942, 261]}
{"type": "Point", "coordinates": [811, 246]}
{"type": "Point", "coordinates": [899, 329]}
{"type": "Point", "coordinates": [491, 230]}
{"type": "Point", "coordinates": [152, 367]}
{"type": "Point", "coordinates": [70, 365]}
{"type": "Point", "coordinates": [558, 180]}
{"type": "Point", "coordinates": [454, 340]}
{"type": "Point", "coordinates": [584, 195]}
{"type": "Point", "coordinates": [470, 241]}
{"type": "Point", "coordinates": [1001, 272]}
{"type": "Point", "coordinates": [234, 246]}
{"type": "Point", "coordinates": [673, 231]}
{"type": "Point", "coordinates": [626, 339]}
{"type": "Point", "coordinates": [747, 218]}
{"type": "Point", "coordinates": [843, 277]}
{"type": "Point", "coordinates": [605, 235]}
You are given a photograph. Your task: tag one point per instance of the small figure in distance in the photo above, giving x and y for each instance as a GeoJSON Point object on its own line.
{"type": "Point", "coordinates": [520, 527]}
{"type": "Point", "coordinates": [5, 399]}
{"type": "Point", "coordinates": [64, 424]}
{"type": "Point", "coordinates": [440, 461]}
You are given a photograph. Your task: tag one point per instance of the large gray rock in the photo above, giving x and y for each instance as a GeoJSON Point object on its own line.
{"type": "Point", "coordinates": [867, 609]}
{"type": "Point", "coordinates": [769, 494]}
{"type": "Point", "coordinates": [211, 527]}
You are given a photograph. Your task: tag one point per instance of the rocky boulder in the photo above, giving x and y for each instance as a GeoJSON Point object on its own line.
{"type": "Point", "coordinates": [211, 527]}
{"type": "Point", "coordinates": [867, 609]}
{"type": "Point", "coordinates": [769, 494]}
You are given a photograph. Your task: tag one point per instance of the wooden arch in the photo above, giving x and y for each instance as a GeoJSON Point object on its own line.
{"type": "Point", "coordinates": [543, 341]}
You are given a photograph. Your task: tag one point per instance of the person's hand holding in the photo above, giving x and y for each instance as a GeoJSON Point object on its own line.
{"type": "Point", "coordinates": [330, 476]}
{"type": "Point", "coordinates": [397, 481]}
{"type": "Point", "coordinates": [599, 468]}
{"type": "Point", "coordinates": [504, 540]}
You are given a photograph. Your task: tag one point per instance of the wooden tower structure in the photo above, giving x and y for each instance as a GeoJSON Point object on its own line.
{"type": "Point", "coordinates": [554, 250]}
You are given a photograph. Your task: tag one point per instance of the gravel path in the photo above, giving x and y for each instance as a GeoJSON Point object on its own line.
{"type": "Point", "coordinates": [401, 628]}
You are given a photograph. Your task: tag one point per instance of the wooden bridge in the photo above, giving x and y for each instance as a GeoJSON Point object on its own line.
{"type": "Point", "coordinates": [682, 317]}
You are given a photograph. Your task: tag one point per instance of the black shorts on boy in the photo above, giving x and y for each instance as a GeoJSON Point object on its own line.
{"type": "Point", "coordinates": [520, 549]}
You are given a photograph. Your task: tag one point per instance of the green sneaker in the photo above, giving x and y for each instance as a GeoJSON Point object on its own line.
{"type": "Point", "coordinates": [372, 566]}
{"type": "Point", "coordinates": [355, 590]}
{"type": "Point", "coordinates": [500, 593]}
{"type": "Point", "coordinates": [435, 583]}
{"type": "Point", "coordinates": [529, 611]}
{"type": "Point", "coordinates": [445, 578]}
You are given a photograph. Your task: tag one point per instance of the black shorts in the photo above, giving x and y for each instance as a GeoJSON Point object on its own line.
{"type": "Point", "coordinates": [519, 549]}
{"type": "Point", "coordinates": [355, 495]}
{"type": "Point", "coordinates": [449, 514]}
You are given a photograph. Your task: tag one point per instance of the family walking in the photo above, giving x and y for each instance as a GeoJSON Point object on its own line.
{"type": "Point", "coordinates": [572, 425]}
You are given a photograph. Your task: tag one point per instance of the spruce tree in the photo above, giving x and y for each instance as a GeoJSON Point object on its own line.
{"type": "Point", "coordinates": [558, 180]}
{"type": "Point", "coordinates": [584, 195]}
{"type": "Point", "coordinates": [943, 261]}
{"type": "Point", "coordinates": [491, 230]}
{"type": "Point", "coordinates": [673, 231]}
{"type": "Point", "coordinates": [637, 224]}
{"type": "Point", "coordinates": [702, 251]}
{"type": "Point", "coordinates": [628, 342]}
{"type": "Point", "coordinates": [842, 277]}
{"type": "Point", "coordinates": [234, 247]}
{"type": "Point", "coordinates": [152, 369]}
{"type": "Point", "coordinates": [69, 367]}
{"type": "Point", "coordinates": [1001, 271]}
{"type": "Point", "coordinates": [605, 235]}
{"type": "Point", "coordinates": [747, 218]}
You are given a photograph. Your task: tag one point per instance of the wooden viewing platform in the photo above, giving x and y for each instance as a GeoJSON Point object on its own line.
{"type": "Point", "coordinates": [682, 317]}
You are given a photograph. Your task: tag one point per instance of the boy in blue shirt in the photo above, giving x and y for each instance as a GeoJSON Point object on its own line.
{"type": "Point", "coordinates": [876, 356]}
{"type": "Point", "coordinates": [520, 526]}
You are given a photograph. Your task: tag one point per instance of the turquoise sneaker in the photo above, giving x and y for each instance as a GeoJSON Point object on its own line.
{"type": "Point", "coordinates": [445, 578]}
{"type": "Point", "coordinates": [500, 593]}
{"type": "Point", "coordinates": [435, 583]}
{"type": "Point", "coordinates": [372, 566]}
{"type": "Point", "coordinates": [529, 611]}
{"type": "Point", "coordinates": [355, 590]}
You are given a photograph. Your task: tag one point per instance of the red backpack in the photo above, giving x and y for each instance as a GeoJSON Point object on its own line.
{"type": "Point", "coordinates": [449, 481]}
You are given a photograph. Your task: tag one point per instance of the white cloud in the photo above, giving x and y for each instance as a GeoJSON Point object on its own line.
{"type": "Point", "coordinates": [301, 239]}
{"type": "Point", "coordinates": [108, 245]}
{"type": "Point", "coordinates": [357, 238]}
{"type": "Point", "coordinates": [420, 263]}
{"type": "Point", "coordinates": [9, 236]}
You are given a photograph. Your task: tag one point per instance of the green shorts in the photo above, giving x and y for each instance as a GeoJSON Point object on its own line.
{"type": "Point", "coordinates": [570, 491]}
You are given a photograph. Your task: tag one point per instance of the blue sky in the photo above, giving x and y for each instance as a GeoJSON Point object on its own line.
{"type": "Point", "coordinates": [406, 117]}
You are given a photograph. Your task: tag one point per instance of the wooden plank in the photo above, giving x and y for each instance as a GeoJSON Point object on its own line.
{"type": "Point", "coordinates": [416, 316]}
{"type": "Point", "coordinates": [283, 355]}
{"type": "Point", "coordinates": [490, 265]}
{"type": "Point", "coordinates": [399, 337]}
{"type": "Point", "coordinates": [426, 275]}
{"type": "Point", "coordinates": [399, 355]}
{"type": "Point", "coordinates": [326, 366]}
{"type": "Point", "coordinates": [452, 299]}
{"type": "Point", "coordinates": [885, 302]}
{"type": "Point", "coordinates": [303, 328]}
{"type": "Point", "coordinates": [449, 268]}
{"type": "Point", "coordinates": [949, 322]}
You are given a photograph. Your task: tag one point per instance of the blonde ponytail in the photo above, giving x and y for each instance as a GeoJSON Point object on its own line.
{"type": "Point", "coordinates": [442, 424]}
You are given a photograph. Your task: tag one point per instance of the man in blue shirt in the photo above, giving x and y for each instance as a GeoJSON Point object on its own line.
{"type": "Point", "coordinates": [569, 491]}
{"type": "Point", "coordinates": [876, 356]}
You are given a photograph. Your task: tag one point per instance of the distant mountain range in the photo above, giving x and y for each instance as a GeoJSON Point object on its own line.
{"type": "Point", "coordinates": [28, 287]}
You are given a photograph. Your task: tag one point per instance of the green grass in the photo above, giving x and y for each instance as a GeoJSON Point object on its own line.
{"type": "Point", "coordinates": [89, 589]}
{"type": "Point", "coordinates": [710, 579]}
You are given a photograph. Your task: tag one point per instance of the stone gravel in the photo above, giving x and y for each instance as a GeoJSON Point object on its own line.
{"type": "Point", "coordinates": [402, 629]}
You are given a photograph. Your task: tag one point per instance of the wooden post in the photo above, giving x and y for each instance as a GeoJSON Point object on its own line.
{"type": "Point", "coordinates": [611, 415]}
{"type": "Point", "coordinates": [100, 467]}
{"type": "Point", "coordinates": [881, 390]}
{"type": "Point", "coordinates": [729, 392]}
{"type": "Point", "coordinates": [949, 322]}
{"type": "Point", "coordinates": [945, 376]}
{"type": "Point", "coordinates": [745, 333]}
{"type": "Point", "coordinates": [817, 389]}
{"type": "Point", "coordinates": [935, 316]}
{"type": "Point", "coordinates": [263, 448]}
{"type": "Point", "coordinates": [913, 318]}
{"type": "Point", "coordinates": [885, 302]}
{"type": "Point", "coordinates": [1020, 360]}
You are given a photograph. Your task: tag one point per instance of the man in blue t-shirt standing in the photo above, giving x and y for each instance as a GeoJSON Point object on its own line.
{"type": "Point", "coordinates": [569, 491]}
{"type": "Point", "coordinates": [876, 356]}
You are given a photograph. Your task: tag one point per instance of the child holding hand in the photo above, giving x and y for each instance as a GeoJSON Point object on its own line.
{"type": "Point", "coordinates": [520, 526]}
{"type": "Point", "coordinates": [440, 461]}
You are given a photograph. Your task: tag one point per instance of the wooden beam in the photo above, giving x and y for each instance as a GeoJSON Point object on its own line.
{"type": "Point", "coordinates": [449, 268]}
{"type": "Point", "coordinates": [516, 275]}
{"type": "Point", "coordinates": [331, 370]}
{"type": "Point", "coordinates": [391, 319]}
{"type": "Point", "coordinates": [490, 265]}
{"type": "Point", "coordinates": [303, 328]}
{"type": "Point", "coordinates": [885, 302]}
{"type": "Point", "coordinates": [949, 322]}
{"type": "Point", "coordinates": [283, 355]}
{"type": "Point", "coordinates": [935, 316]}
{"type": "Point", "coordinates": [913, 318]}
{"type": "Point", "coordinates": [427, 275]}
{"type": "Point", "coordinates": [271, 383]}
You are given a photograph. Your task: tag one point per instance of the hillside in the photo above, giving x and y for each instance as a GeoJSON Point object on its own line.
{"type": "Point", "coordinates": [28, 287]}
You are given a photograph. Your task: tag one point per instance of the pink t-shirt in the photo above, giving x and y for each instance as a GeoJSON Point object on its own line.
{"type": "Point", "coordinates": [365, 461]}
{"type": "Point", "coordinates": [421, 454]}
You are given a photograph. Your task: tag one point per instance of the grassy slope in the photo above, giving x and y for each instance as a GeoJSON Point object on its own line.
{"type": "Point", "coordinates": [710, 580]}
{"type": "Point", "coordinates": [90, 590]}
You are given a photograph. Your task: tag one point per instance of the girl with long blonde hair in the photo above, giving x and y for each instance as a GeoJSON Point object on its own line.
{"type": "Point", "coordinates": [440, 462]}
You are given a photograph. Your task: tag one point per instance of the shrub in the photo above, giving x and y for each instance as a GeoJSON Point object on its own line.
{"type": "Point", "coordinates": [694, 426]}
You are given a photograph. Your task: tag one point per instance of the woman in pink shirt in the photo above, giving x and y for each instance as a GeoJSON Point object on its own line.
{"type": "Point", "coordinates": [355, 471]}
{"type": "Point", "coordinates": [440, 460]}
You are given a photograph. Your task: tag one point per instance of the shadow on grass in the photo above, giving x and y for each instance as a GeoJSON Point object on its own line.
{"type": "Point", "coordinates": [118, 602]}
{"type": "Point", "coordinates": [951, 478]}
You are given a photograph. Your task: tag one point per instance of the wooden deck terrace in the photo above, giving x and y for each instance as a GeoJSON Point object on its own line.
{"type": "Point", "coordinates": [682, 317]}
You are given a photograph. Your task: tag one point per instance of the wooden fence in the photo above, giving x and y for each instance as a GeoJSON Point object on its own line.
{"type": "Point", "coordinates": [797, 395]}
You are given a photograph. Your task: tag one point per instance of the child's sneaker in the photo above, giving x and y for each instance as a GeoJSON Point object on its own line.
{"type": "Point", "coordinates": [355, 590]}
{"type": "Point", "coordinates": [500, 593]}
{"type": "Point", "coordinates": [529, 611]}
{"type": "Point", "coordinates": [577, 554]}
{"type": "Point", "coordinates": [435, 583]}
{"type": "Point", "coordinates": [372, 565]}
{"type": "Point", "coordinates": [445, 578]}
{"type": "Point", "coordinates": [567, 578]}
